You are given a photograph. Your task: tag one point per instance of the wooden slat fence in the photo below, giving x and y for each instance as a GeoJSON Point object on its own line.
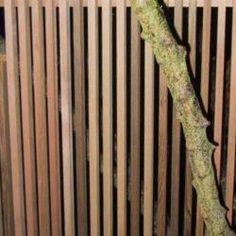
{"type": "Point", "coordinates": [89, 141]}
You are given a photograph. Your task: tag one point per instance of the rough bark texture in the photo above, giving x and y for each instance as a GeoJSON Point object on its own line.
{"type": "Point", "coordinates": [172, 60]}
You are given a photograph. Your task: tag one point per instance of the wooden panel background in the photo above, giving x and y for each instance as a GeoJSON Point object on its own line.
{"type": "Point", "coordinates": [89, 142]}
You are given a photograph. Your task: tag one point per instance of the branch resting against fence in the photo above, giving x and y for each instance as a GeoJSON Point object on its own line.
{"type": "Point", "coordinates": [172, 60]}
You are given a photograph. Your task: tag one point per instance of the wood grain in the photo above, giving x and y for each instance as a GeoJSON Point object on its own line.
{"type": "Point", "coordinates": [27, 119]}
{"type": "Point", "coordinates": [66, 119]}
{"type": "Point", "coordinates": [14, 119]}
{"type": "Point", "coordinates": [162, 156]}
{"type": "Point", "coordinates": [148, 140]}
{"type": "Point", "coordinates": [52, 116]}
{"type": "Point", "coordinates": [121, 119]}
{"type": "Point", "coordinates": [93, 118]}
{"type": "Point", "coordinates": [107, 104]}
{"type": "Point", "coordinates": [5, 161]}
{"type": "Point", "coordinates": [40, 118]}
{"type": "Point", "coordinates": [79, 120]}
{"type": "Point", "coordinates": [135, 127]}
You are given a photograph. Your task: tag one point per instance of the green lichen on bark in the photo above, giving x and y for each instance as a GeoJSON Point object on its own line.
{"type": "Point", "coordinates": [172, 60]}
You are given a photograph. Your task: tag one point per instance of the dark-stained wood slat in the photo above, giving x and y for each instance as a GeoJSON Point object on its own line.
{"type": "Point", "coordinates": [27, 119]}
{"type": "Point", "coordinates": [14, 119]}
{"type": "Point", "coordinates": [135, 127]}
{"type": "Point", "coordinates": [107, 104]}
{"type": "Point", "coordinates": [121, 119]}
{"type": "Point", "coordinates": [66, 118]}
{"type": "Point", "coordinates": [176, 137]}
{"type": "Point", "coordinates": [79, 120]}
{"type": "Point", "coordinates": [219, 86]}
{"type": "Point", "coordinates": [93, 118]}
{"type": "Point", "coordinates": [40, 118]}
{"type": "Point", "coordinates": [6, 177]}
{"type": "Point", "coordinates": [230, 177]}
{"type": "Point", "coordinates": [188, 174]}
{"type": "Point", "coordinates": [53, 125]}
{"type": "Point", "coordinates": [148, 140]}
{"type": "Point", "coordinates": [205, 69]}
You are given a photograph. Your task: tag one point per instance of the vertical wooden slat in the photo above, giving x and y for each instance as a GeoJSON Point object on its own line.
{"type": "Point", "coordinates": [121, 119]}
{"type": "Point", "coordinates": [206, 53]}
{"type": "Point", "coordinates": [230, 171]}
{"type": "Point", "coordinates": [135, 127]}
{"type": "Point", "coordinates": [205, 69]}
{"type": "Point", "coordinates": [162, 154]}
{"type": "Point", "coordinates": [79, 120]}
{"type": "Point", "coordinates": [188, 173]}
{"type": "Point", "coordinates": [176, 136]}
{"type": "Point", "coordinates": [215, 3]}
{"type": "Point", "coordinates": [219, 87]}
{"type": "Point", "coordinates": [6, 177]}
{"type": "Point", "coordinates": [14, 119]}
{"type": "Point", "coordinates": [66, 118]}
{"type": "Point", "coordinates": [148, 140]}
{"type": "Point", "coordinates": [27, 118]}
{"type": "Point", "coordinates": [1, 209]}
{"type": "Point", "coordinates": [52, 110]}
{"type": "Point", "coordinates": [93, 118]}
{"type": "Point", "coordinates": [192, 33]}
{"type": "Point", "coordinates": [40, 118]}
{"type": "Point", "coordinates": [107, 117]}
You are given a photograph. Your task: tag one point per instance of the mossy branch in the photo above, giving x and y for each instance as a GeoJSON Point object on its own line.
{"type": "Point", "coordinates": [172, 60]}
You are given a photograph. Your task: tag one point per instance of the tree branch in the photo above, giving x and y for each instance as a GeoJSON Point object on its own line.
{"type": "Point", "coordinates": [172, 60]}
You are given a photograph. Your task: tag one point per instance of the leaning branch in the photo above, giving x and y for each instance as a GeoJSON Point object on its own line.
{"type": "Point", "coordinates": [172, 60]}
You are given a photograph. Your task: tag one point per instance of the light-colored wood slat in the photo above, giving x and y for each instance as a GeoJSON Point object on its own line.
{"type": "Point", "coordinates": [53, 125]}
{"type": "Point", "coordinates": [230, 171]}
{"type": "Point", "coordinates": [6, 186]}
{"type": "Point", "coordinates": [162, 156]}
{"type": "Point", "coordinates": [188, 174]}
{"type": "Point", "coordinates": [14, 119]}
{"type": "Point", "coordinates": [205, 64]}
{"type": "Point", "coordinates": [206, 53]}
{"type": "Point", "coordinates": [148, 140]}
{"type": "Point", "coordinates": [93, 118]}
{"type": "Point", "coordinates": [162, 153]}
{"type": "Point", "coordinates": [186, 3]}
{"type": "Point", "coordinates": [219, 87]}
{"type": "Point", "coordinates": [40, 118]}
{"type": "Point", "coordinates": [66, 118]}
{"type": "Point", "coordinates": [135, 127]}
{"type": "Point", "coordinates": [107, 104]}
{"type": "Point", "coordinates": [192, 33]}
{"type": "Point", "coordinates": [27, 119]}
{"type": "Point", "coordinates": [79, 120]}
{"type": "Point", "coordinates": [176, 136]}
{"type": "Point", "coordinates": [121, 119]}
